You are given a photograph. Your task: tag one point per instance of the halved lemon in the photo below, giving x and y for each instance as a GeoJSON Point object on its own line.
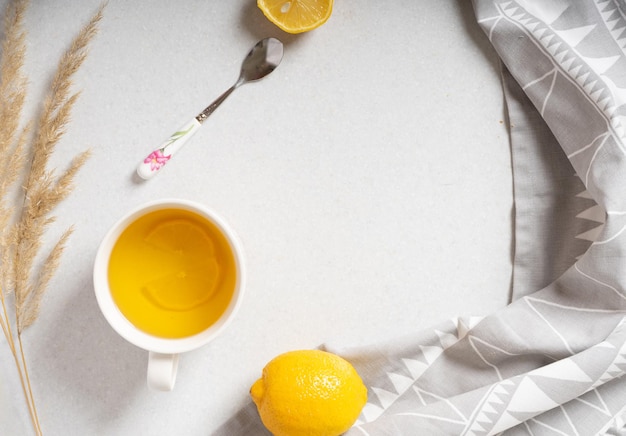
{"type": "Point", "coordinates": [296, 16]}
{"type": "Point", "coordinates": [181, 236]}
{"type": "Point", "coordinates": [187, 271]}
{"type": "Point", "coordinates": [184, 289]}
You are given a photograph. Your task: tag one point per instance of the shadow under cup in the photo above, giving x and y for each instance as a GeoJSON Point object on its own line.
{"type": "Point", "coordinates": [168, 278]}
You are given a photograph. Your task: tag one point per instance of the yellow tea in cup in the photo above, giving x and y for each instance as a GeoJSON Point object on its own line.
{"type": "Point", "coordinates": [172, 273]}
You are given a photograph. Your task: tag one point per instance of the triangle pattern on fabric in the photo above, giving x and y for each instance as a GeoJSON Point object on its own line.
{"type": "Point", "coordinates": [567, 63]}
{"type": "Point", "coordinates": [564, 369]}
{"type": "Point", "coordinates": [415, 364]}
{"type": "Point", "coordinates": [612, 21]}
{"type": "Point", "coordinates": [573, 72]}
{"type": "Point", "coordinates": [530, 24]}
{"type": "Point", "coordinates": [553, 315]}
{"type": "Point", "coordinates": [548, 12]}
{"type": "Point", "coordinates": [582, 78]}
{"type": "Point", "coordinates": [402, 376]}
{"type": "Point", "coordinates": [564, 58]}
{"type": "Point", "coordinates": [556, 48]}
{"type": "Point", "coordinates": [615, 23]}
{"type": "Point", "coordinates": [599, 97]}
{"type": "Point", "coordinates": [594, 213]}
{"type": "Point", "coordinates": [370, 412]}
{"type": "Point", "coordinates": [617, 367]}
{"type": "Point", "coordinates": [437, 408]}
{"type": "Point", "coordinates": [538, 33]}
{"type": "Point", "coordinates": [618, 225]}
{"type": "Point", "coordinates": [385, 384]}
{"type": "Point", "coordinates": [574, 36]}
{"type": "Point", "coordinates": [584, 207]}
{"type": "Point", "coordinates": [595, 401]}
{"type": "Point", "coordinates": [464, 325]}
{"type": "Point", "coordinates": [483, 422]}
{"type": "Point", "coordinates": [510, 11]}
{"type": "Point", "coordinates": [546, 40]}
{"type": "Point", "coordinates": [618, 33]}
{"type": "Point", "coordinates": [606, 104]}
{"type": "Point", "coordinates": [618, 94]}
{"type": "Point", "coordinates": [491, 409]}
{"type": "Point", "coordinates": [490, 354]}
{"type": "Point", "coordinates": [591, 235]}
{"type": "Point", "coordinates": [530, 398]}
{"type": "Point", "coordinates": [589, 86]}
{"type": "Point", "coordinates": [400, 382]}
{"type": "Point", "coordinates": [519, 16]}
{"type": "Point", "coordinates": [543, 83]}
{"type": "Point", "coordinates": [557, 424]}
{"type": "Point", "coordinates": [621, 39]}
{"type": "Point", "coordinates": [385, 398]}
{"type": "Point", "coordinates": [431, 353]}
{"type": "Point", "coordinates": [611, 373]}
{"type": "Point", "coordinates": [505, 422]}
{"type": "Point", "coordinates": [527, 401]}
{"type": "Point", "coordinates": [394, 365]}
{"type": "Point", "coordinates": [415, 367]}
{"type": "Point", "coordinates": [446, 339]}
{"type": "Point", "coordinates": [601, 65]}
{"type": "Point", "coordinates": [560, 391]}
{"type": "Point", "coordinates": [477, 430]}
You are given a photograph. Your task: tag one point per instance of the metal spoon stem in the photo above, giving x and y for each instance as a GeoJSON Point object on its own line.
{"type": "Point", "coordinates": [202, 116]}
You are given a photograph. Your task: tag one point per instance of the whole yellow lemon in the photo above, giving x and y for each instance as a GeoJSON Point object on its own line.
{"type": "Point", "coordinates": [309, 393]}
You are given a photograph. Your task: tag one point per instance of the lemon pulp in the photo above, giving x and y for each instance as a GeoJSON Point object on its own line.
{"type": "Point", "coordinates": [296, 16]}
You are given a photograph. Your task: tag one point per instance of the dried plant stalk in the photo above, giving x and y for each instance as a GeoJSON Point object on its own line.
{"type": "Point", "coordinates": [12, 96]}
{"type": "Point", "coordinates": [23, 225]}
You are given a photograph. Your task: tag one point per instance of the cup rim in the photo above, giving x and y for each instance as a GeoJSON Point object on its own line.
{"type": "Point", "coordinates": [116, 318]}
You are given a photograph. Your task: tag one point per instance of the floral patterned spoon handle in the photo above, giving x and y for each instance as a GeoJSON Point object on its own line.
{"type": "Point", "coordinates": [260, 61]}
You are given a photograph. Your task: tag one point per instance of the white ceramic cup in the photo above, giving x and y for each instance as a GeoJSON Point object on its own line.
{"type": "Point", "coordinates": [163, 352]}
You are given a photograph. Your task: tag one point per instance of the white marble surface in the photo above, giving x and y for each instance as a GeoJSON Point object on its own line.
{"type": "Point", "coordinates": [368, 177]}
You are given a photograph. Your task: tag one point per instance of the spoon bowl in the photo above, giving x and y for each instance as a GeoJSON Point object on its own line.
{"type": "Point", "coordinates": [261, 60]}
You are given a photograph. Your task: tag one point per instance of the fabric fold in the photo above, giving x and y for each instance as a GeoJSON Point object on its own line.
{"type": "Point", "coordinates": [553, 361]}
{"type": "Point", "coordinates": [546, 362]}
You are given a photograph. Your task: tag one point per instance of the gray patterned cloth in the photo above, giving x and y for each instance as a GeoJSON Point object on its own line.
{"type": "Point", "coordinates": [553, 361]}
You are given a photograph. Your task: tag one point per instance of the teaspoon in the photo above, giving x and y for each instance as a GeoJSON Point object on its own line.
{"type": "Point", "coordinates": [260, 61]}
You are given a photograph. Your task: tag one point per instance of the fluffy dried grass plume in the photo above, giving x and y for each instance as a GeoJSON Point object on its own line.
{"type": "Point", "coordinates": [28, 148]}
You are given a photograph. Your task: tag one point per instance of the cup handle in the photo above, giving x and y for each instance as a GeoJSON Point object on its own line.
{"type": "Point", "coordinates": [162, 370]}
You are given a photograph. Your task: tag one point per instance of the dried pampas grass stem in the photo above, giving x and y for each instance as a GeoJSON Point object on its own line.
{"type": "Point", "coordinates": [23, 225]}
